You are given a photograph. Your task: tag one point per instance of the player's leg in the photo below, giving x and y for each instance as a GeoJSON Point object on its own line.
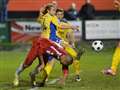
{"type": "Point", "coordinates": [116, 59]}
{"type": "Point", "coordinates": [49, 63]}
{"type": "Point", "coordinates": [65, 71]}
{"type": "Point", "coordinates": [69, 36]}
{"type": "Point", "coordinates": [76, 66]}
{"type": "Point", "coordinates": [76, 63]}
{"type": "Point", "coordinates": [115, 62]}
{"type": "Point", "coordinates": [33, 74]}
{"type": "Point", "coordinates": [74, 54]}
{"type": "Point", "coordinates": [46, 73]}
{"type": "Point", "coordinates": [28, 61]}
{"type": "Point", "coordinates": [38, 69]}
{"type": "Point", "coordinates": [47, 70]}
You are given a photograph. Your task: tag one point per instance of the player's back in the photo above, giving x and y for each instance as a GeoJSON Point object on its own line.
{"type": "Point", "coordinates": [44, 42]}
{"type": "Point", "coordinates": [45, 22]}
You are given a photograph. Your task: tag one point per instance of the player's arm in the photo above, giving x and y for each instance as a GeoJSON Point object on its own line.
{"type": "Point", "coordinates": [67, 26]}
{"type": "Point", "coordinates": [62, 26]}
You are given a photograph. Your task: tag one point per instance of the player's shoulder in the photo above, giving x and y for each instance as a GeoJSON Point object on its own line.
{"type": "Point", "coordinates": [54, 18]}
{"type": "Point", "coordinates": [47, 15]}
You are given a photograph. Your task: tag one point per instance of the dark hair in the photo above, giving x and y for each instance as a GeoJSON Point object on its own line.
{"type": "Point", "coordinates": [59, 10]}
{"type": "Point", "coordinates": [47, 7]}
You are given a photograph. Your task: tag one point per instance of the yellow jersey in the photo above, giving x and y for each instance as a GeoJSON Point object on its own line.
{"type": "Point", "coordinates": [62, 33]}
{"type": "Point", "coordinates": [55, 21]}
{"type": "Point", "coordinates": [45, 21]}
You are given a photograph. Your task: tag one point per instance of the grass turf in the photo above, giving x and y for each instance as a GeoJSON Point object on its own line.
{"type": "Point", "coordinates": [91, 65]}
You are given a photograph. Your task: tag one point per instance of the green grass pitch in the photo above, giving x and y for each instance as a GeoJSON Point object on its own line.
{"type": "Point", "coordinates": [91, 77]}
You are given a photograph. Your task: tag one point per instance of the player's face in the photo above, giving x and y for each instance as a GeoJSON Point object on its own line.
{"type": "Point", "coordinates": [60, 15]}
{"type": "Point", "coordinates": [52, 11]}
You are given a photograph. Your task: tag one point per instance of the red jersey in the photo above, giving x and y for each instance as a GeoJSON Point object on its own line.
{"type": "Point", "coordinates": [45, 45]}
{"type": "Point", "coordinates": [42, 46]}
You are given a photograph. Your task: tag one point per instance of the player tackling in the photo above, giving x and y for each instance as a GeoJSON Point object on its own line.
{"type": "Point", "coordinates": [40, 48]}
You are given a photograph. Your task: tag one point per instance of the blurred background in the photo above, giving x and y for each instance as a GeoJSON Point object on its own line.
{"type": "Point", "coordinates": [18, 17]}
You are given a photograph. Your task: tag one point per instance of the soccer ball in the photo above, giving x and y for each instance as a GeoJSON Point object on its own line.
{"type": "Point", "coordinates": [97, 45]}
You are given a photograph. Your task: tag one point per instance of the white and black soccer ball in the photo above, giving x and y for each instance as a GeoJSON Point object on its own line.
{"type": "Point", "coordinates": [97, 45]}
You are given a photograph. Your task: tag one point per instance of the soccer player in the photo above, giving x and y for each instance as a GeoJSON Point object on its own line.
{"type": "Point", "coordinates": [50, 24]}
{"type": "Point", "coordinates": [66, 61]}
{"type": "Point", "coordinates": [46, 17]}
{"type": "Point", "coordinates": [116, 57]}
{"type": "Point", "coordinates": [39, 49]}
{"type": "Point", "coordinates": [67, 35]}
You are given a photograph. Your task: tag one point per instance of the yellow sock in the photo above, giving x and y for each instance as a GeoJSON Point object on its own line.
{"type": "Point", "coordinates": [116, 60]}
{"type": "Point", "coordinates": [76, 66]}
{"type": "Point", "coordinates": [47, 70]}
{"type": "Point", "coordinates": [44, 75]}
{"type": "Point", "coordinates": [49, 66]}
